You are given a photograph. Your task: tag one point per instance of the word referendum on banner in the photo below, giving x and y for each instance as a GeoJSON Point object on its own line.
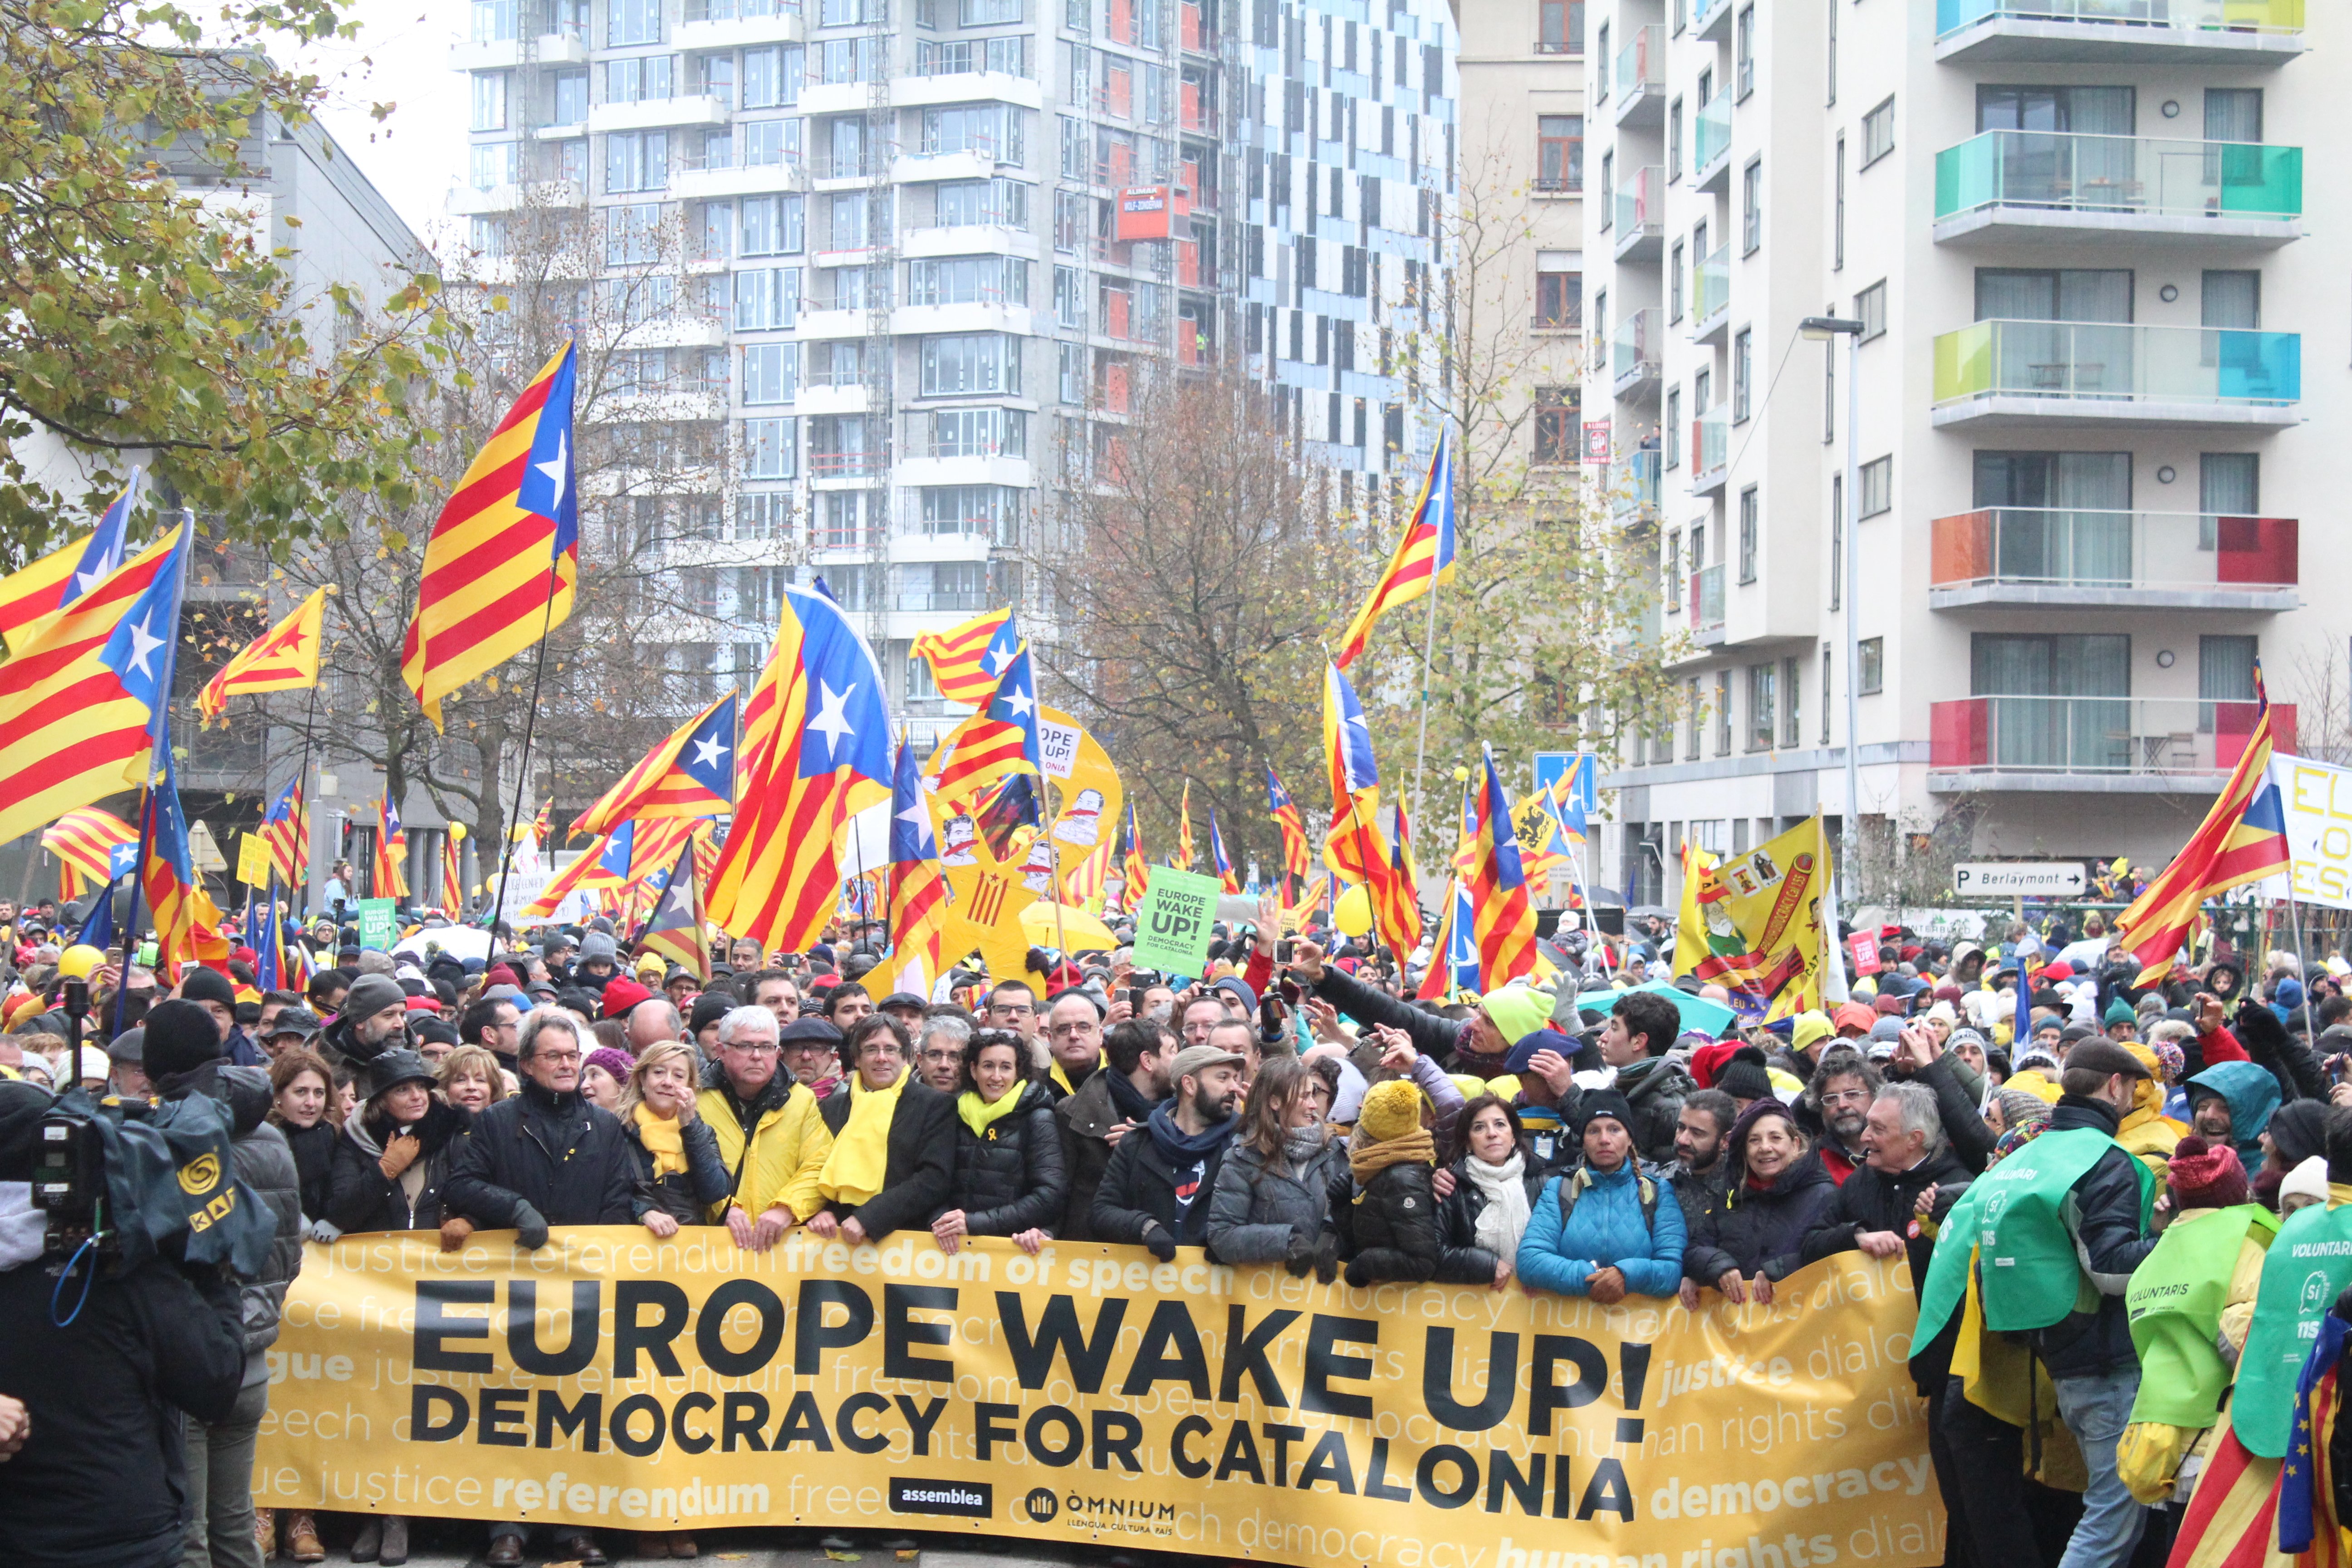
{"type": "Point", "coordinates": [1092, 1395]}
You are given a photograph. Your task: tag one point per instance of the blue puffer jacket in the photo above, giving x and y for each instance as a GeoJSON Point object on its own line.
{"type": "Point", "coordinates": [1604, 1230]}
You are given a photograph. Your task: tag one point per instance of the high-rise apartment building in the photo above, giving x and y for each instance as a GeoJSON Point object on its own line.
{"type": "Point", "coordinates": [943, 240]}
{"type": "Point", "coordinates": [2099, 343]}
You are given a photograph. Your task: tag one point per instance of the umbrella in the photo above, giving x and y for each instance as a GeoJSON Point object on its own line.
{"type": "Point", "coordinates": [1073, 931]}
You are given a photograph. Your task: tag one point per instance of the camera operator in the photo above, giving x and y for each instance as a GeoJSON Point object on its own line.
{"type": "Point", "coordinates": [187, 1055]}
{"type": "Point", "coordinates": [93, 1475]}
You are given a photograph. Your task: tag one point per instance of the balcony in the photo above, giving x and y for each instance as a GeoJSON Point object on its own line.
{"type": "Point", "coordinates": [1634, 351]}
{"type": "Point", "coordinates": [2142, 745]}
{"type": "Point", "coordinates": [1710, 450]}
{"type": "Point", "coordinates": [2087, 374]}
{"type": "Point", "coordinates": [1711, 295]}
{"type": "Point", "coordinates": [2023, 558]}
{"type": "Point", "coordinates": [772, 24]}
{"type": "Point", "coordinates": [2257, 33]}
{"type": "Point", "coordinates": [1639, 94]}
{"type": "Point", "coordinates": [1640, 213]}
{"type": "Point", "coordinates": [1711, 19]}
{"type": "Point", "coordinates": [1631, 486]}
{"type": "Point", "coordinates": [1707, 603]}
{"type": "Point", "coordinates": [651, 114]}
{"type": "Point", "coordinates": [1711, 143]}
{"type": "Point", "coordinates": [744, 180]}
{"type": "Point", "coordinates": [2009, 185]}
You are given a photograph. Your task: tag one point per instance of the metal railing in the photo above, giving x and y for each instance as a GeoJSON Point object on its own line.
{"type": "Point", "coordinates": [2090, 548]}
{"type": "Point", "coordinates": [1634, 347]}
{"type": "Point", "coordinates": [1642, 63]}
{"type": "Point", "coordinates": [1707, 598]}
{"type": "Point", "coordinates": [1711, 284]}
{"type": "Point", "coordinates": [2191, 15]}
{"type": "Point", "coordinates": [2107, 735]}
{"type": "Point", "coordinates": [1711, 132]}
{"type": "Point", "coordinates": [2119, 361]}
{"type": "Point", "coordinates": [2140, 175]}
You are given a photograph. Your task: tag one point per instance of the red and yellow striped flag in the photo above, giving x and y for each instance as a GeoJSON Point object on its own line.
{"type": "Point", "coordinates": [967, 661]}
{"type": "Point", "coordinates": [285, 828]}
{"type": "Point", "coordinates": [504, 555]}
{"type": "Point", "coordinates": [390, 852]}
{"type": "Point", "coordinates": [1183, 857]}
{"type": "Point", "coordinates": [283, 658]}
{"type": "Point", "coordinates": [65, 573]}
{"type": "Point", "coordinates": [1502, 916]}
{"type": "Point", "coordinates": [1423, 560]}
{"type": "Point", "coordinates": [453, 881]}
{"type": "Point", "coordinates": [90, 844]}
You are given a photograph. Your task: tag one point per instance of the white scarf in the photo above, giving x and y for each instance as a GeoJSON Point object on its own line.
{"type": "Point", "coordinates": [1504, 1220]}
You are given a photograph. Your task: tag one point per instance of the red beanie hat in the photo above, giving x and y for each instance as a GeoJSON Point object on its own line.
{"type": "Point", "coordinates": [2206, 1175]}
{"type": "Point", "coordinates": [621, 993]}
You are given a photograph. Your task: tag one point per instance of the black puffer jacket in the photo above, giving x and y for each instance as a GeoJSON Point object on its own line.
{"type": "Point", "coordinates": [2288, 1057]}
{"type": "Point", "coordinates": [1752, 1231]}
{"type": "Point", "coordinates": [564, 1158]}
{"type": "Point", "coordinates": [314, 1162]}
{"type": "Point", "coordinates": [1460, 1260]}
{"type": "Point", "coordinates": [920, 1165]}
{"type": "Point", "coordinates": [1386, 1226]}
{"type": "Point", "coordinates": [1013, 1180]}
{"type": "Point", "coordinates": [685, 1195]}
{"type": "Point", "coordinates": [1655, 1091]}
{"type": "Point", "coordinates": [365, 1199]}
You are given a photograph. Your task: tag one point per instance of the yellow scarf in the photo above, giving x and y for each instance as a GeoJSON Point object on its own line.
{"type": "Point", "coordinates": [664, 1140]}
{"type": "Point", "coordinates": [853, 1172]}
{"type": "Point", "coordinates": [1102, 1060]}
{"type": "Point", "coordinates": [980, 1116]}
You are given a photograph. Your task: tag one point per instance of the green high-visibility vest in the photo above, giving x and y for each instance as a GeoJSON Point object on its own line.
{"type": "Point", "coordinates": [2013, 1215]}
{"type": "Point", "coordinates": [2175, 1305]}
{"type": "Point", "coordinates": [2309, 1263]}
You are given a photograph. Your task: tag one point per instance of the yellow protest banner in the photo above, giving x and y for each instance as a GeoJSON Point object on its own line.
{"type": "Point", "coordinates": [1091, 1395]}
{"type": "Point", "coordinates": [1761, 911]}
{"type": "Point", "coordinates": [253, 860]}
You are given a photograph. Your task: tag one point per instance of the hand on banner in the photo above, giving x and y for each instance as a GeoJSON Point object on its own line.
{"type": "Point", "coordinates": [1876, 1243]}
{"type": "Point", "coordinates": [1502, 1273]}
{"type": "Point", "coordinates": [1030, 1240]}
{"type": "Point", "coordinates": [1158, 1243]}
{"type": "Point", "coordinates": [949, 1230]}
{"type": "Point", "coordinates": [1307, 964]}
{"type": "Point", "coordinates": [1686, 1292]}
{"type": "Point", "coordinates": [1733, 1288]}
{"type": "Point", "coordinates": [663, 1225]}
{"type": "Point", "coordinates": [739, 1226]}
{"type": "Point", "coordinates": [454, 1232]}
{"type": "Point", "coordinates": [853, 1231]}
{"type": "Point", "coordinates": [824, 1228]}
{"type": "Point", "coordinates": [1606, 1286]}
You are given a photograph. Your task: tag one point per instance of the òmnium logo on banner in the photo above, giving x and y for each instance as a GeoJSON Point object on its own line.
{"type": "Point", "coordinates": [964, 1500]}
{"type": "Point", "coordinates": [1040, 1505]}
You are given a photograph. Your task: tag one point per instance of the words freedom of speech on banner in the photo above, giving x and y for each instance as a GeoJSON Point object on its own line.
{"type": "Point", "coordinates": [1093, 1394]}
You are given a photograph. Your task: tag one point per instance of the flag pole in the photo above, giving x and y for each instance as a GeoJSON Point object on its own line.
{"type": "Point", "coordinates": [302, 783]}
{"type": "Point", "coordinates": [1053, 860]}
{"type": "Point", "coordinates": [1428, 662]}
{"type": "Point", "coordinates": [529, 727]}
{"type": "Point", "coordinates": [160, 731]}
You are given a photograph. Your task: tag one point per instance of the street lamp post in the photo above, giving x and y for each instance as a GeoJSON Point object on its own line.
{"type": "Point", "coordinates": [1821, 329]}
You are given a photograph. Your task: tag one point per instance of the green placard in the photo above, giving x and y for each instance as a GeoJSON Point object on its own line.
{"type": "Point", "coordinates": [1171, 929]}
{"type": "Point", "coordinates": [376, 929]}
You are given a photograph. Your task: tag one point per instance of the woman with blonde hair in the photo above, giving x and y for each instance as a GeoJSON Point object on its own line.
{"type": "Point", "coordinates": [470, 1079]}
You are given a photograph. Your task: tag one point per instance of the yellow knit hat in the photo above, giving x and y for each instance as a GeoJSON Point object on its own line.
{"type": "Point", "coordinates": [1391, 1110]}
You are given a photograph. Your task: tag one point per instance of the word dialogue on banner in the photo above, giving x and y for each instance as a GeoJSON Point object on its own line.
{"type": "Point", "coordinates": [1092, 1395]}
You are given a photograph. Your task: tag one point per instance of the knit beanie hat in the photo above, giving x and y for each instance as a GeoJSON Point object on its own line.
{"type": "Point", "coordinates": [2119, 1012]}
{"type": "Point", "coordinates": [370, 994]}
{"type": "Point", "coordinates": [1391, 1110]}
{"type": "Point", "coordinates": [2020, 1108]}
{"type": "Point", "coordinates": [1746, 1076]}
{"type": "Point", "coordinates": [180, 1037]}
{"type": "Point", "coordinates": [1599, 1102]}
{"type": "Point", "coordinates": [2307, 1180]}
{"type": "Point", "coordinates": [202, 984]}
{"type": "Point", "coordinates": [1809, 1029]}
{"type": "Point", "coordinates": [1516, 1010]}
{"type": "Point", "coordinates": [2206, 1175]}
{"type": "Point", "coordinates": [598, 944]}
{"type": "Point", "coordinates": [611, 1060]}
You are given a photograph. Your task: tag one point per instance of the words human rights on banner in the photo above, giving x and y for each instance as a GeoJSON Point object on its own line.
{"type": "Point", "coordinates": [1093, 1394]}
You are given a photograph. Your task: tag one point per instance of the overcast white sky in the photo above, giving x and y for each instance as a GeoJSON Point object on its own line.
{"type": "Point", "coordinates": [402, 57]}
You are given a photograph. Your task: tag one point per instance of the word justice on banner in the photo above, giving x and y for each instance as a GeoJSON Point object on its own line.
{"type": "Point", "coordinates": [1092, 1395]}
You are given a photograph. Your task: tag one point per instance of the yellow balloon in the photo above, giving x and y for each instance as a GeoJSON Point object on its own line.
{"type": "Point", "coordinates": [1354, 913]}
{"type": "Point", "coordinates": [79, 962]}
{"type": "Point", "coordinates": [457, 832]}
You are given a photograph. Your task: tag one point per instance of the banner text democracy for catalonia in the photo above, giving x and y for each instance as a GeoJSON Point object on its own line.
{"type": "Point", "coordinates": [1092, 1395]}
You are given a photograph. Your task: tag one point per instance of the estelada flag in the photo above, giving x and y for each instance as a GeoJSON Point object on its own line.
{"type": "Point", "coordinates": [504, 555]}
{"type": "Point", "coordinates": [968, 660]}
{"type": "Point", "coordinates": [65, 573]}
{"type": "Point", "coordinates": [674, 929]}
{"type": "Point", "coordinates": [1423, 557]}
{"type": "Point", "coordinates": [283, 658]}
{"type": "Point", "coordinates": [690, 773]}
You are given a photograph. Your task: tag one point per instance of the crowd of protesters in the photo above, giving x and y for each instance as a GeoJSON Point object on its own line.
{"type": "Point", "coordinates": [1572, 1136]}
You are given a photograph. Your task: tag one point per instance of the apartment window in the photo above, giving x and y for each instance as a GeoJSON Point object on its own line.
{"type": "Point", "coordinates": [1742, 371]}
{"type": "Point", "coordinates": [774, 225]}
{"type": "Point", "coordinates": [494, 21]}
{"type": "Point", "coordinates": [1556, 411]}
{"type": "Point", "coordinates": [1751, 206]}
{"type": "Point", "coordinates": [637, 79]}
{"type": "Point", "coordinates": [1872, 658]}
{"type": "Point", "coordinates": [633, 22]}
{"type": "Point", "coordinates": [1069, 298]}
{"type": "Point", "coordinates": [993, 129]}
{"type": "Point", "coordinates": [1878, 132]}
{"type": "Point", "coordinates": [1837, 538]}
{"type": "Point", "coordinates": [1746, 45]}
{"type": "Point", "coordinates": [1559, 29]}
{"type": "Point", "coordinates": [1877, 487]}
{"type": "Point", "coordinates": [1833, 60]}
{"type": "Point", "coordinates": [490, 101]}
{"type": "Point", "coordinates": [1825, 694]}
{"type": "Point", "coordinates": [770, 449]}
{"type": "Point", "coordinates": [632, 234]}
{"type": "Point", "coordinates": [1829, 391]}
{"type": "Point", "coordinates": [1698, 711]}
{"type": "Point", "coordinates": [1560, 295]}
{"type": "Point", "coordinates": [1837, 210]}
{"type": "Point", "coordinates": [1674, 284]}
{"type": "Point", "coordinates": [968, 280]}
{"type": "Point", "coordinates": [1723, 712]}
{"type": "Point", "coordinates": [981, 432]}
{"type": "Point", "coordinates": [1559, 153]}
{"type": "Point", "coordinates": [771, 77]}
{"type": "Point", "coordinates": [1747, 534]}
{"type": "Point", "coordinates": [2228, 484]}
{"type": "Point", "coordinates": [2232, 300]}
{"type": "Point", "coordinates": [636, 160]}
{"type": "Point", "coordinates": [770, 372]}
{"type": "Point", "coordinates": [493, 164]}
{"type": "Point", "coordinates": [1870, 310]}
{"type": "Point", "coordinates": [760, 515]}
{"type": "Point", "coordinates": [1791, 728]}
{"type": "Point", "coordinates": [569, 104]}
{"type": "Point", "coordinates": [1674, 579]}
{"type": "Point", "coordinates": [1763, 681]}
{"type": "Point", "coordinates": [767, 299]}
{"type": "Point", "coordinates": [2225, 673]}
{"type": "Point", "coordinates": [2233, 114]}
{"type": "Point", "coordinates": [967, 362]}
{"type": "Point", "coordinates": [1673, 443]}
{"type": "Point", "coordinates": [1602, 59]}
{"type": "Point", "coordinates": [994, 512]}
{"type": "Point", "coordinates": [1608, 187]}
{"type": "Point", "coordinates": [1001, 202]}
{"type": "Point", "coordinates": [1673, 140]}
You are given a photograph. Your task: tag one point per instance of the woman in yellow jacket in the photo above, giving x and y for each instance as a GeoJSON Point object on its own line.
{"type": "Point", "coordinates": [770, 1137]}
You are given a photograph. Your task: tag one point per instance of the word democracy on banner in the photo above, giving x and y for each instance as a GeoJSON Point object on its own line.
{"type": "Point", "coordinates": [1092, 1395]}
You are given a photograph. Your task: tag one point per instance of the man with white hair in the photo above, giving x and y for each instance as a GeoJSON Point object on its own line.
{"type": "Point", "coordinates": [939, 1052]}
{"type": "Point", "coordinates": [770, 1134]}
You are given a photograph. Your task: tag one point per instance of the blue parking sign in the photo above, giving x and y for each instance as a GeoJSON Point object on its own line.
{"type": "Point", "coordinates": [1552, 766]}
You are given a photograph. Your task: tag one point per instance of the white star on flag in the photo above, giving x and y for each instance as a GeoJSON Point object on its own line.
{"type": "Point", "coordinates": [1020, 701]}
{"type": "Point", "coordinates": [832, 718]}
{"type": "Point", "coordinates": [143, 643]}
{"type": "Point", "coordinates": [708, 750]}
{"type": "Point", "coordinates": [555, 467]}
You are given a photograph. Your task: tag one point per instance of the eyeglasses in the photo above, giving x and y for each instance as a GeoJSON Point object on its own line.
{"type": "Point", "coordinates": [1847, 1097]}
{"type": "Point", "coordinates": [1071, 1031]}
{"type": "Point", "coordinates": [753, 1048]}
{"type": "Point", "coordinates": [1011, 1009]}
{"type": "Point", "coordinates": [560, 1059]}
